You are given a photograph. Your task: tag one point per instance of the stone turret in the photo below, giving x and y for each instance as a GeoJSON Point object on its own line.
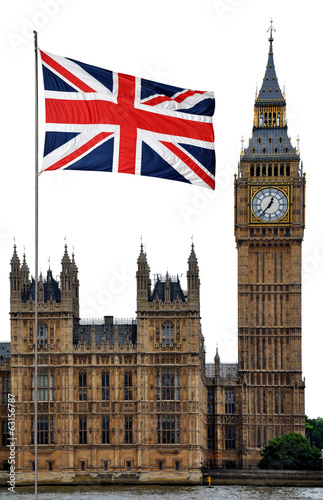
{"type": "Point", "coordinates": [143, 280]}
{"type": "Point", "coordinates": [193, 280]}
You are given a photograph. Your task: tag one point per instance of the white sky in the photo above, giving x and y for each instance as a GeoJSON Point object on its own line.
{"type": "Point", "coordinates": [219, 45]}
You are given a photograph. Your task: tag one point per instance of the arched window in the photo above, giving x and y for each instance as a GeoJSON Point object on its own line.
{"type": "Point", "coordinates": [276, 170]}
{"type": "Point", "coordinates": [270, 170]}
{"type": "Point", "coordinates": [258, 170]}
{"type": "Point", "coordinates": [270, 140]}
{"type": "Point", "coordinates": [276, 150]}
{"type": "Point", "coordinates": [274, 118]}
{"type": "Point", "coordinates": [278, 119]}
{"type": "Point", "coordinates": [281, 172]}
{"type": "Point", "coordinates": [252, 171]}
{"type": "Point", "coordinates": [264, 170]}
{"type": "Point", "coordinates": [264, 150]}
{"type": "Point", "coordinates": [269, 118]}
{"type": "Point", "coordinates": [261, 119]}
{"type": "Point", "coordinates": [168, 334]}
{"type": "Point", "coordinates": [287, 169]}
{"type": "Point", "coordinates": [259, 140]}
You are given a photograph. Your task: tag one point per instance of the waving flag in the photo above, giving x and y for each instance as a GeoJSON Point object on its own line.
{"type": "Point", "coordinates": [105, 121]}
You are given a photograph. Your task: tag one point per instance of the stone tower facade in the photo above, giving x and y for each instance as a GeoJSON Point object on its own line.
{"type": "Point", "coordinates": [116, 396]}
{"type": "Point", "coordinates": [269, 226]}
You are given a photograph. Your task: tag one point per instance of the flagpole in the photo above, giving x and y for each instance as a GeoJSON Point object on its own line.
{"type": "Point", "coordinates": [36, 269]}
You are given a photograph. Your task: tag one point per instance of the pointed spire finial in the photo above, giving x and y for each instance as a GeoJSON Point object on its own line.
{"type": "Point", "coordinates": [271, 29]}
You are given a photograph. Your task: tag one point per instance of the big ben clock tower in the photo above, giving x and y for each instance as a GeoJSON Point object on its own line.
{"type": "Point", "coordinates": [269, 226]}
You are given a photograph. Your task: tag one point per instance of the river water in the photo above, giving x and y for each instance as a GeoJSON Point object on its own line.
{"type": "Point", "coordinates": [166, 493]}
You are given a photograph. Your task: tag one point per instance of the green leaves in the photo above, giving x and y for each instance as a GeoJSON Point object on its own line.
{"type": "Point", "coordinates": [292, 451]}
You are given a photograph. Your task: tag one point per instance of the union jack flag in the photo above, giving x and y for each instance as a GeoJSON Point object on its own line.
{"type": "Point", "coordinates": [105, 121]}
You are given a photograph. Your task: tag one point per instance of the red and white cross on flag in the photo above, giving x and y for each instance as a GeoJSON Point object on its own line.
{"type": "Point", "coordinates": [100, 120]}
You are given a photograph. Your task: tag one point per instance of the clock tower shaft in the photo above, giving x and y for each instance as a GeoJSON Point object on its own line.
{"type": "Point", "coordinates": [269, 226]}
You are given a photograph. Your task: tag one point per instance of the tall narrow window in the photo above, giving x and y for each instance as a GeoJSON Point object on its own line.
{"type": "Point", "coordinates": [257, 310]}
{"type": "Point", "coordinates": [82, 430]}
{"type": "Point", "coordinates": [275, 353]}
{"type": "Point", "coordinates": [42, 334]}
{"type": "Point", "coordinates": [263, 354]}
{"type": "Point", "coordinates": [281, 354]}
{"type": "Point", "coordinates": [128, 430]}
{"type": "Point", "coordinates": [258, 355]}
{"type": "Point", "coordinates": [281, 310]}
{"type": "Point", "coordinates": [105, 389]}
{"type": "Point", "coordinates": [264, 401]}
{"type": "Point", "coordinates": [105, 430]}
{"type": "Point", "coordinates": [168, 385]}
{"type": "Point", "coordinates": [282, 401]}
{"type": "Point", "coordinates": [263, 309]}
{"type": "Point", "coordinates": [128, 386]}
{"type": "Point", "coordinates": [210, 437]}
{"type": "Point", "coordinates": [45, 386]}
{"type": "Point", "coordinates": [168, 429]}
{"type": "Point", "coordinates": [82, 386]}
{"type": "Point", "coordinates": [229, 438]}
{"type": "Point", "coordinates": [259, 438]}
{"type": "Point", "coordinates": [281, 267]}
{"type": "Point", "coordinates": [5, 432]}
{"type": "Point", "coordinates": [276, 400]}
{"type": "Point", "coordinates": [229, 401]}
{"type": "Point", "coordinates": [258, 400]}
{"type": "Point", "coordinates": [257, 267]}
{"type": "Point", "coordinates": [275, 268]}
{"type": "Point", "coordinates": [45, 434]}
{"type": "Point", "coordinates": [210, 400]}
{"type": "Point", "coordinates": [263, 267]}
{"type": "Point", "coordinates": [168, 334]}
{"type": "Point", "coordinates": [5, 390]}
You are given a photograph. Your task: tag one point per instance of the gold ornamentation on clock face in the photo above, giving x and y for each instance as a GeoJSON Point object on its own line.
{"type": "Point", "coordinates": [270, 204]}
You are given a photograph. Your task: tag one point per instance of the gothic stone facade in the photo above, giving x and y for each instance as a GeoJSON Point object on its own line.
{"type": "Point", "coordinates": [136, 397]}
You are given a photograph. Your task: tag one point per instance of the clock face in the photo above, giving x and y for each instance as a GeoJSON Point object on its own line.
{"type": "Point", "coordinates": [270, 204]}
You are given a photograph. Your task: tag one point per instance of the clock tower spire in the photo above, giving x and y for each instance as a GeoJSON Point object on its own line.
{"type": "Point", "coordinates": [269, 226]}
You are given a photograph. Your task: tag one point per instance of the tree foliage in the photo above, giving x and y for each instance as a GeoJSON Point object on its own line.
{"type": "Point", "coordinates": [314, 431]}
{"type": "Point", "coordinates": [290, 452]}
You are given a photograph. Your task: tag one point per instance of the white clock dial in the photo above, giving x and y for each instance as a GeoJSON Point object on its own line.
{"type": "Point", "coordinates": [270, 204]}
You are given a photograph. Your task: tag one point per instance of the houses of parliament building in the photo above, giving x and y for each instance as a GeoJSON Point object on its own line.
{"type": "Point", "coordinates": [136, 399]}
